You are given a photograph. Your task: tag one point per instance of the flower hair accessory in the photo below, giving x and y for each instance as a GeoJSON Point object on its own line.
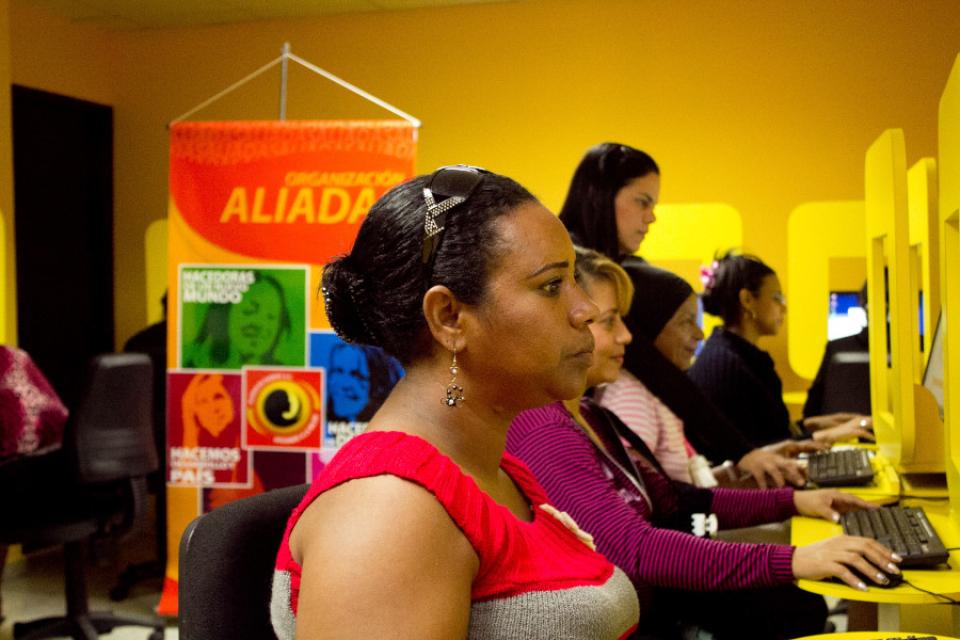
{"type": "Point", "coordinates": [708, 275]}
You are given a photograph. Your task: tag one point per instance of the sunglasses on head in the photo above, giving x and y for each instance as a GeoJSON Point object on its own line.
{"type": "Point", "coordinates": [448, 187]}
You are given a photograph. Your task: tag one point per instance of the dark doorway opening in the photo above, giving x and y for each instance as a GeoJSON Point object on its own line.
{"type": "Point", "coordinates": [63, 203]}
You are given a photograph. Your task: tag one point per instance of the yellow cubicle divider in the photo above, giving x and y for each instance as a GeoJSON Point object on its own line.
{"type": "Point", "coordinates": [686, 237]}
{"type": "Point", "coordinates": [924, 243]}
{"type": "Point", "coordinates": [155, 251]}
{"type": "Point", "coordinates": [818, 233]}
{"type": "Point", "coordinates": [5, 291]}
{"type": "Point", "coordinates": [913, 445]}
{"type": "Point", "coordinates": [910, 438]}
{"type": "Point", "coordinates": [949, 164]}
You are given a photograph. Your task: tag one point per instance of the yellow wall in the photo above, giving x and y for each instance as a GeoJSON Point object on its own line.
{"type": "Point", "coordinates": [821, 237]}
{"type": "Point", "coordinates": [8, 324]}
{"type": "Point", "coordinates": [51, 54]}
{"type": "Point", "coordinates": [764, 106]}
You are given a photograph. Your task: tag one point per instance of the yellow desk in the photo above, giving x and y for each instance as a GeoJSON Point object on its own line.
{"type": "Point", "coordinates": [901, 604]}
{"type": "Point", "coordinates": [870, 635]}
{"type": "Point", "coordinates": [885, 488]}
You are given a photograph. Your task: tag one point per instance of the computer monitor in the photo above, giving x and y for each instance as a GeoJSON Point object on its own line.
{"type": "Point", "coordinates": [846, 316]}
{"type": "Point", "coordinates": [933, 374]}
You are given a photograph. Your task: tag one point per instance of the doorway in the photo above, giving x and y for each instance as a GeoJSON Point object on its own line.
{"type": "Point", "coordinates": [63, 203]}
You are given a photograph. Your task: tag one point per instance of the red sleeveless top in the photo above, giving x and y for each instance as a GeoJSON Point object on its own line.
{"type": "Point", "coordinates": [536, 579]}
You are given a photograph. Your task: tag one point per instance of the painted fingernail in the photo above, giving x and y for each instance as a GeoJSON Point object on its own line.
{"type": "Point", "coordinates": [893, 568]}
{"type": "Point", "coordinates": [861, 586]}
{"type": "Point", "coordinates": [836, 517]}
{"type": "Point", "coordinates": [896, 557]}
{"type": "Point", "coordinates": [882, 578]}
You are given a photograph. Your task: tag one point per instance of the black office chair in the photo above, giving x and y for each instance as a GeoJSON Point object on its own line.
{"type": "Point", "coordinates": [153, 342]}
{"type": "Point", "coordinates": [227, 559]}
{"type": "Point", "coordinates": [93, 486]}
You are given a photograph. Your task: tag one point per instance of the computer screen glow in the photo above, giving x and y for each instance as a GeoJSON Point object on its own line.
{"type": "Point", "coordinates": [846, 317]}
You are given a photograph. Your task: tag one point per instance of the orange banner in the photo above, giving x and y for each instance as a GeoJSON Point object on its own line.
{"type": "Point", "coordinates": [260, 392]}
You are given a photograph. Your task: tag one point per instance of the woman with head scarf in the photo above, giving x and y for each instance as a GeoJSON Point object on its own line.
{"type": "Point", "coordinates": [662, 405]}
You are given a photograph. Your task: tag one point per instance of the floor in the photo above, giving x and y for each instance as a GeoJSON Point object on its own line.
{"type": "Point", "coordinates": [32, 587]}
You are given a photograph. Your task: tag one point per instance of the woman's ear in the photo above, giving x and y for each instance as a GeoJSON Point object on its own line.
{"type": "Point", "coordinates": [746, 299]}
{"type": "Point", "coordinates": [444, 315]}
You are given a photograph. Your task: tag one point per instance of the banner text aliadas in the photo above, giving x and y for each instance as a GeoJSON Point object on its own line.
{"type": "Point", "coordinates": [316, 197]}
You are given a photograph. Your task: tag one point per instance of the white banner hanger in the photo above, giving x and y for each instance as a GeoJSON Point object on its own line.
{"type": "Point", "coordinates": [282, 61]}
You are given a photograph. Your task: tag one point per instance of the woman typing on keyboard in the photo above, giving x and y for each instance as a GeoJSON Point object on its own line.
{"type": "Point", "coordinates": [647, 524]}
{"type": "Point", "coordinates": [737, 375]}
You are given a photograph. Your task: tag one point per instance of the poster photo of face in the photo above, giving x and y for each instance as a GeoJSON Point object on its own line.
{"type": "Point", "coordinates": [232, 316]}
{"type": "Point", "coordinates": [358, 379]}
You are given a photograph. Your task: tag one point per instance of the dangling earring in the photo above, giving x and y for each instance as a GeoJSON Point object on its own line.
{"type": "Point", "coordinates": [454, 391]}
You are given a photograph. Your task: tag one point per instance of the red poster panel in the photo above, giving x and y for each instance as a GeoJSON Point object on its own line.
{"type": "Point", "coordinates": [204, 430]}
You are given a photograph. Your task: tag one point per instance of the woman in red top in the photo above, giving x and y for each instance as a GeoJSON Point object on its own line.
{"type": "Point", "coordinates": [422, 527]}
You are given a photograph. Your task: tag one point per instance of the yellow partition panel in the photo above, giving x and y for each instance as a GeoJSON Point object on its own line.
{"type": "Point", "coordinates": [686, 236]}
{"type": "Point", "coordinates": [887, 234]}
{"type": "Point", "coordinates": [8, 280]}
{"type": "Point", "coordinates": [924, 255]}
{"type": "Point", "coordinates": [155, 251]}
{"type": "Point", "coordinates": [949, 200]}
{"type": "Point", "coordinates": [818, 233]}
{"type": "Point", "coordinates": [912, 445]}
{"type": "Point", "coordinates": [5, 291]}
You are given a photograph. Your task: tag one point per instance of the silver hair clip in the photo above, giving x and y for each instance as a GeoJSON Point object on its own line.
{"type": "Point", "coordinates": [434, 210]}
{"type": "Point", "coordinates": [456, 182]}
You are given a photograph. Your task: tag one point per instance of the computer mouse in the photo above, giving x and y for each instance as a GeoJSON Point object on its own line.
{"type": "Point", "coordinates": [893, 579]}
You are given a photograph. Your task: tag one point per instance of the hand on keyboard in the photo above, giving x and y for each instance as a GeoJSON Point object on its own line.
{"type": "Point", "coordinates": [771, 470]}
{"type": "Point", "coordinates": [793, 448]}
{"type": "Point", "coordinates": [852, 429]}
{"type": "Point", "coordinates": [906, 530]}
{"type": "Point", "coordinates": [828, 503]}
{"type": "Point", "coordinates": [816, 423]}
{"type": "Point", "coordinates": [847, 558]}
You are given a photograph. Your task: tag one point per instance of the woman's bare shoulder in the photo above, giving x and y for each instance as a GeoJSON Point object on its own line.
{"type": "Point", "coordinates": [380, 554]}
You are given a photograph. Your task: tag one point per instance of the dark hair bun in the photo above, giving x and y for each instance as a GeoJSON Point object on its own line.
{"type": "Point", "coordinates": [733, 271]}
{"type": "Point", "coordinates": [711, 301]}
{"type": "Point", "coordinates": [345, 295]}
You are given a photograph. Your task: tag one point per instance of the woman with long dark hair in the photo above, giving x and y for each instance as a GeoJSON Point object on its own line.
{"type": "Point", "coordinates": [611, 200]}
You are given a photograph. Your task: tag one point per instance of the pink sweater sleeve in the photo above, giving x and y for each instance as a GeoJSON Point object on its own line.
{"type": "Point", "coordinates": [748, 507]}
{"type": "Point", "coordinates": [570, 469]}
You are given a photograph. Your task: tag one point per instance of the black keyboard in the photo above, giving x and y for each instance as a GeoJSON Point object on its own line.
{"type": "Point", "coordinates": [905, 530]}
{"type": "Point", "coordinates": [844, 468]}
